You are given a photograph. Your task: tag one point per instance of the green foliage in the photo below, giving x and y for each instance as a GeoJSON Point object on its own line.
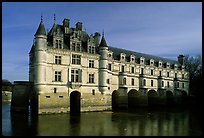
{"type": "Point", "coordinates": [6, 85]}
{"type": "Point", "coordinates": [194, 67]}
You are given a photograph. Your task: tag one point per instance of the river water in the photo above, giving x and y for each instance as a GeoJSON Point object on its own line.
{"type": "Point", "coordinates": [172, 122]}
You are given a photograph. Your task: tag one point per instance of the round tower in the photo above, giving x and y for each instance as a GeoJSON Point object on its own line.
{"type": "Point", "coordinates": [40, 57]}
{"type": "Point", "coordinates": [103, 74]}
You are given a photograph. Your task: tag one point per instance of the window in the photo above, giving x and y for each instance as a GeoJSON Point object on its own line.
{"type": "Point", "coordinates": [75, 75]}
{"type": "Point", "coordinates": [123, 69]}
{"type": "Point", "coordinates": [168, 84]}
{"type": "Point", "coordinates": [58, 44]}
{"type": "Point", "coordinates": [162, 83]}
{"type": "Point", "coordinates": [73, 47]}
{"type": "Point", "coordinates": [93, 92]}
{"type": "Point", "coordinates": [182, 76]}
{"type": "Point", "coordinates": [57, 59]}
{"type": "Point", "coordinates": [91, 63]}
{"type": "Point", "coordinates": [109, 55]}
{"type": "Point", "coordinates": [160, 73]}
{"type": "Point", "coordinates": [109, 67]}
{"type": "Point", "coordinates": [91, 78]}
{"type": "Point", "coordinates": [182, 85]}
{"type": "Point", "coordinates": [144, 82]}
{"type": "Point", "coordinates": [55, 90]}
{"type": "Point", "coordinates": [57, 75]}
{"type": "Point", "coordinates": [175, 75]}
{"type": "Point", "coordinates": [91, 49]}
{"type": "Point", "coordinates": [133, 81]}
{"type": "Point", "coordinates": [124, 81]}
{"type": "Point", "coordinates": [133, 69]}
{"type": "Point", "coordinates": [78, 48]}
{"type": "Point", "coordinates": [142, 70]}
{"type": "Point", "coordinates": [152, 83]}
{"type": "Point", "coordinates": [76, 59]}
{"type": "Point", "coordinates": [152, 72]}
{"type": "Point", "coordinates": [108, 81]}
{"type": "Point", "coordinates": [167, 74]}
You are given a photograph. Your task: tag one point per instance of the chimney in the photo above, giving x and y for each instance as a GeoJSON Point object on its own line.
{"type": "Point", "coordinates": [96, 38]}
{"type": "Point", "coordinates": [79, 26]}
{"type": "Point", "coordinates": [66, 23]}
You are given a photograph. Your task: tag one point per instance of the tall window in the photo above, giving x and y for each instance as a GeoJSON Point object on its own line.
{"type": "Point", "coordinates": [152, 72]}
{"type": "Point", "coordinates": [142, 70]}
{"type": "Point", "coordinates": [160, 73]}
{"type": "Point", "coordinates": [124, 81]}
{"type": "Point", "coordinates": [91, 49]}
{"type": "Point", "coordinates": [152, 83]}
{"type": "Point", "coordinates": [144, 82]}
{"type": "Point", "coordinates": [182, 76]}
{"type": "Point", "coordinates": [91, 78]}
{"type": "Point", "coordinates": [123, 68]}
{"type": "Point", "coordinates": [109, 67]}
{"type": "Point", "coordinates": [57, 75]}
{"type": "Point", "coordinates": [78, 48]}
{"type": "Point", "coordinates": [58, 44]}
{"type": "Point", "coordinates": [177, 84]}
{"type": "Point", "coordinates": [57, 59]}
{"type": "Point", "coordinates": [73, 47]}
{"type": "Point", "coordinates": [182, 85]}
{"type": "Point", "coordinates": [108, 81]}
{"type": "Point", "coordinates": [162, 83]}
{"type": "Point", "coordinates": [91, 63]}
{"type": "Point", "coordinates": [167, 74]}
{"type": "Point", "coordinates": [168, 84]}
{"type": "Point", "coordinates": [133, 69]}
{"type": "Point", "coordinates": [175, 75]}
{"type": "Point", "coordinates": [76, 59]}
{"type": "Point", "coordinates": [133, 81]}
{"type": "Point", "coordinates": [75, 75]}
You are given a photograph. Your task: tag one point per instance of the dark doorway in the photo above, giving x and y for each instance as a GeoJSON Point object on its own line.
{"type": "Point", "coordinates": [132, 98]}
{"type": "Point", "coordinates": [115, 96]}
{"type": "Point", "coordinates": [169, 98]}
{"type": "Point", "coordinates": [152, 97]}
{"type": "Point", "coordinates": [75, 102]}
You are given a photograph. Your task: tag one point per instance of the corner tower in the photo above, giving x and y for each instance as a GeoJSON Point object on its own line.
{"type": "Point", "coordinates": [103, 74]}
{"type": "Point", "coordinates": [40, 45]}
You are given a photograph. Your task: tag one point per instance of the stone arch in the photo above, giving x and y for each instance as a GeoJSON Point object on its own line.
{"type": "Point", "coordinates": [115, 98]}
{"type": "Point", "coordinates": [75, 102]}
{"type": "Point", "coordinates": [132, 98]}
{"type": "Point", "coordinates": [169, 98]}
{"type": "Point", "coordinates": [152, 97]}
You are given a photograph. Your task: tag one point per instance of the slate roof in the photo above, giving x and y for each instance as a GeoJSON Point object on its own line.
{"type": "Point", "coordinates": [117, 51]}
{"type": "Point", "coordinates": [41, 29]}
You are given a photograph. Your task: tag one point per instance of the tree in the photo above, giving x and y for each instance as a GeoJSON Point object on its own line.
{"type": "Point", "coordinates": [6, 85]}
{"type": "Point", "coordinates": [194, 67]}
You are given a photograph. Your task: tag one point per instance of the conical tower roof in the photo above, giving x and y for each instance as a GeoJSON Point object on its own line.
{"type": "Point", "coordinates": [103, 42]}
{"type": "Point", "coordinates": [41, 29]}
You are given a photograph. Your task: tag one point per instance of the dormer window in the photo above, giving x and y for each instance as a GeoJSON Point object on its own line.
{"type": "Point", "coordinates": [122, 56]}
{"type": "Point", "coordinates": [151, 62]}
{"type": "Point", "coordinates": [175, 66]}
{"type": "Point", "coordinates": [160, 64]}
{"type": "Point", "coordinates": [58, 43]}
{"type": "Point", "coordinates": [142, 60]}
{"type": "Point", "coordinates": [132, 58]}
{"type": "Point", "coordinates": [167, 65]}
{"type": "Point", "coordinates": [110, 54]}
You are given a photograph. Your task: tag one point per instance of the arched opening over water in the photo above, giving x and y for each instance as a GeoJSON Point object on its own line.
{"type": "Point", "coordinates": [152, 96]}
{"type": "Point", "coordinates": [75, 104]}
{"type": "Point", "coordinates": [132, 98]}
{"type": "Point", "coordinates": [115, 98]}
{"type": "Point", "coordinates": [169, 98]}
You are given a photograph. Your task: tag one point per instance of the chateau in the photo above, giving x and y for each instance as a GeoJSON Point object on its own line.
{"type": "Point", "coordinates": [73, 71]}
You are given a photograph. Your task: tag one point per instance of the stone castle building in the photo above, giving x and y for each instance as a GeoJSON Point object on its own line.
{"type": "Point", "coordinates": [72, 71]}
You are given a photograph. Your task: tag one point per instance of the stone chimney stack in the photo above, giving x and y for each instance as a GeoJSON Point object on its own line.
{"type": "Point", "coordinates": [79, 26]}
{"type": "Point", "coordinates": [181, 59]}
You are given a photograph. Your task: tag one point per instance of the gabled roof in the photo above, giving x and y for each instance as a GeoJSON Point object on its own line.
{"type": "Point", "coordinates": [117, 51]}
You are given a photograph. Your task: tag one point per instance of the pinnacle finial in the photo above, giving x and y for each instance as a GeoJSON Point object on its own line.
{"type": "Point", "coordinates": [54, 18]}
{"type": "Point", "coordinates": [103, 33]}
{"type": "Point", "coordinates": [41, 18]}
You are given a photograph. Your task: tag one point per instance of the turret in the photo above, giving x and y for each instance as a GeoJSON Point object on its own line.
{"type": "Point", "coordinates": [40, 57]}
{"type": "Point", "coordinates": [103, 74]}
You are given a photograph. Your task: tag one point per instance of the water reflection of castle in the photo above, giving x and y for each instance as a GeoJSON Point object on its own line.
{"type": "Point", "coordinates": [73, 71]}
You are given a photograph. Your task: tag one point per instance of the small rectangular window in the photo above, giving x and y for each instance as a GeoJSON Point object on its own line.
{"type": "Point", "coordinates": [91, 63]}
{"type": "Point", "coordinates": [93, 92]}
{"type": "Point", "coordinates": [109, 67]}
{"type": "Point", "coordinates": [151, 82]}
{"type": "Point", "coordinates": [55, 90]}
{"type": "Point", "coordinates": [152, 72]}
{"type": "Point", "coordinates": [133, 81]}
{"type": "Point", "coordinates": [57, 75]}
{"type": "Point", "coordinates": [123, 68]}
{"type": "Point", "coordinates": [47, 96]}
{"type": "Point", "coordinates": [133, 70]}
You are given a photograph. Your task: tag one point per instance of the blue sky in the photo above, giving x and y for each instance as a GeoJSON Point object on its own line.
{"type": "Point", "coordinates": [164, 29]}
